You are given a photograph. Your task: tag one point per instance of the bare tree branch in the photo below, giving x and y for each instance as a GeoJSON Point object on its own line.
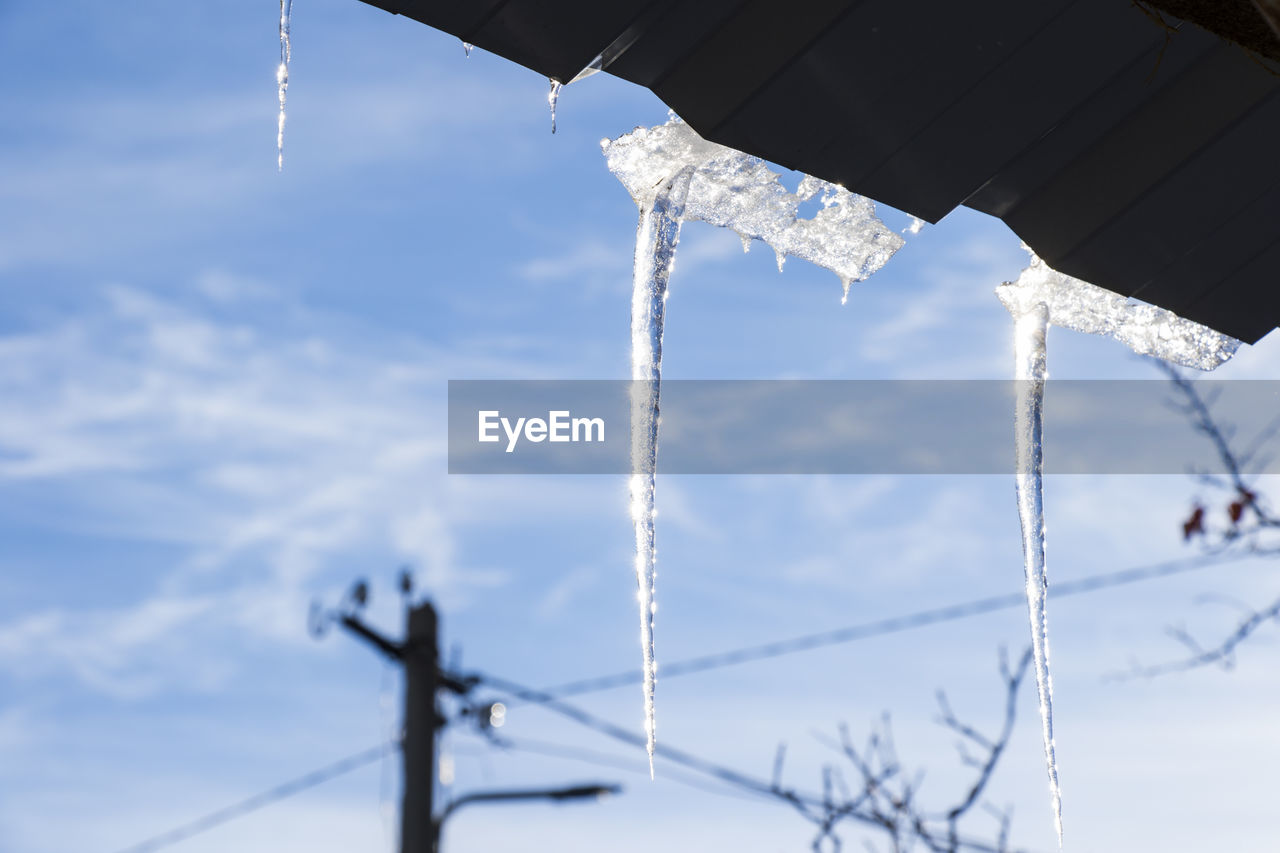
{"type": "Point", "coordinates": [1250, 527]}
{"type": "Point", "coordinates": [1222, 655]}
{"type": "Point", "coordinates": [886, 801]}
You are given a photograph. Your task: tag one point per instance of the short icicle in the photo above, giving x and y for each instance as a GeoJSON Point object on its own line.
{"type": "Point", "coordinates": [1030, 327]}
{"type": "Point", "coordinates": [553, 97]}
{"type": "Point", "coordinates": [282, 77]}
{"type": "Point", "coordinates": [656, 236]}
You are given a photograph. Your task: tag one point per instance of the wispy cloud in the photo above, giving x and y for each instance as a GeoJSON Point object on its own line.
{"type": "Point", "coordinates": [955, 292]}
{"type": "Point", "coordinates": [265, 454]}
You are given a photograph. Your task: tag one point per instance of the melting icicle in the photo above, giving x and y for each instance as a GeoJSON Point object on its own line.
{"type": "Point", "coordinates": [282, 77]}
{"type": "Point", "coordinates": [673, 175]}
{"type": "Point", "coordinates": [467, 47]}
{"type": "Point", "coordinates": [1030, 372]}
{"type": "Point", "coordinates": [552, 97]}
{"type": "Point", "coordinates": [1039, 298]}
{"type": "Point", "coordinates": [656, 238]}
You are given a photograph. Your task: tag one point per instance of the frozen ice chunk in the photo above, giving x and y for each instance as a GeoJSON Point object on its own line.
{"type": "Point", "coordinates": [1145, 329]}
{"type": "Point", "coordinates": [734, 190]}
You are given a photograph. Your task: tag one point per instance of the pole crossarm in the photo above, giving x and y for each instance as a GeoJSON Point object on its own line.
{"type": "Point", "coordinates": [389, 648]}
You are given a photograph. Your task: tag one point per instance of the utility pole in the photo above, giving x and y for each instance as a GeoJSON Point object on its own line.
{"type": "Point", "coordinates": [419, 832]}
{"type": "Point", "coordinates": [418, 654]}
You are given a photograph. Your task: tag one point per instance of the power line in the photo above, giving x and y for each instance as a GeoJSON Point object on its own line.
{"type": "Point", "coordinates": [262, 800]}
{"type": "Point", "coordinates": [618, 733]}
{"type": "Point", "coordinates": [892, 625]}
{"type": "Point", "coordinates": [549, 697]}
{"type": "Point", "coordinates": [616, 762]}
{"type": "Point", "coordinates": [805, 802]}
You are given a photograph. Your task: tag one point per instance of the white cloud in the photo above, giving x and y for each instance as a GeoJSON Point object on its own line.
{"type": "Point", "coordinates": [584, 260]}
{"type": "Point", "coordinates": [264, 454]}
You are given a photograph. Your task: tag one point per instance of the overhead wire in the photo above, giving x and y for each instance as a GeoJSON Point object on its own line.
{"type": "Point", "coordinates": [551, 697]}
{"type": "Point", "coordinates": [891, 625]}
{"type": "Point", "coordinates": [261, 800]}
{"type": "Point", "coordinates": [704, 766]}
{"type": "Point", "coordinates": [616, 762]}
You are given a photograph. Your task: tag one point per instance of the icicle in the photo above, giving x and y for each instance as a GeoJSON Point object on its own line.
{"type": "Point", "coordinates": [673, 174]}
{"type": "Point", "coordinates": [1039, 298]}
{"type": "Point", "coordinates": [467, 47]}
{"type": "Point", "coordinates": [844, 285]}
{"type": "Point", "coordinates": [282, 77]}
{"type": "Point", "coordinates": [746, 243]}
{"type": "Point", "coordinates": [552, 98]}
{"type": "Point", "coordinates": [656, 236]}
{"type": "Point", "coordinates": [1030, 372]}
{"type": "Point", "coordinates": [781, 258]}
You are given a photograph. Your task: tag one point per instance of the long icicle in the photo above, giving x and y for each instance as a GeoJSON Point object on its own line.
{"type": "Point", "coordinates": [1042, 296]}
{"type": "Point", "coordinates": [672, 174]}
{"type": "Point", "coordinates": [1030, 373]}
{"type": "Point", "coordinates": [656, 237]}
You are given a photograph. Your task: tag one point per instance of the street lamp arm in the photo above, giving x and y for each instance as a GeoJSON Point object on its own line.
{"type": "Point", "coordinates": [576, 792]}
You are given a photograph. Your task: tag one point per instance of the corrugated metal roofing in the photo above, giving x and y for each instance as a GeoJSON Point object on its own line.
{"type": "Point", "coordinates": [1141, 159]}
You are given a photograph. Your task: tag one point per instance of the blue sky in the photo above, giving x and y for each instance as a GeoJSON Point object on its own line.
{"type": "Point", "coordinates": [225, 396]}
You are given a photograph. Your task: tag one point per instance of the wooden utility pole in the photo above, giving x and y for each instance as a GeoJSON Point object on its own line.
{"type": "Point", "coordinates": [419, 655]}
{"type": "Point", "coordinates": [419, 832]}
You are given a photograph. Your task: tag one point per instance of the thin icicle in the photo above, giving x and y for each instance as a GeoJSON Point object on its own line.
{"type": "Point", "coordinates": [1030, 372]}
{"type": "Point", "coordinates": [468, 47]}
{"type": "Point", "coordinates": [1041, 297]}
{"type": "Point", "coordinates": [552, 98]}
{"type": "Point", "coordinates": [656, 236]}
{"type": "Point", "coordinates": [282, 77]}
{"type": "Point", "coordinates": [673, 174]}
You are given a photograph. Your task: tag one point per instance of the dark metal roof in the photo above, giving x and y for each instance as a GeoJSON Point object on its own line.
{"type": "Point", "coordinates": [1142, 158]}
